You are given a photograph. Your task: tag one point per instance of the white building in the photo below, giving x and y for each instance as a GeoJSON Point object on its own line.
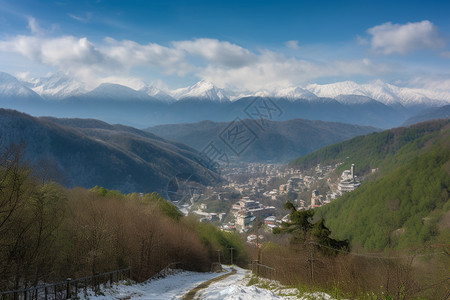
{"type": "Point", "coordinates": [349, 182]}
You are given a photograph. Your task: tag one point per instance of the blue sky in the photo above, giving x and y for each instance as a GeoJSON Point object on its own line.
{"type": "Point", "coordinates": [235, 44]}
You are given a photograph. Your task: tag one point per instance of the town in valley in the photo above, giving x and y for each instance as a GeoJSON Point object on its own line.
{"type": "Point", "coordinates": [255, 193]}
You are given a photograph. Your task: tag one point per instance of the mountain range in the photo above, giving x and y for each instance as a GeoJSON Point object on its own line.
{"type": "Point", "coordinates": [275, 142]}
{"type": "Point", "coordinates": [376, 104]}
{"type": "Point", "coordinates": [60, 86]}
{"type": "Point", "coordinates": [442, 112]}
{"type": "Point", "coordinates": [80, 152]}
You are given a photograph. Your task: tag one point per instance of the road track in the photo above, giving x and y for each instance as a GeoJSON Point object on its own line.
{"type": "Point", "coordinates": [190, 295]}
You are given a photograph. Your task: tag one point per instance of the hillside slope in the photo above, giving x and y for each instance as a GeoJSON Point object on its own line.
{"type": "Point", "coordinates": [277, 141]}
{"type": "Point", "coordinates": [406, 202]}
{"type": "Point", "coordinates": [442, 112]}
{"type": "Point", "coordinates": [90, 152]}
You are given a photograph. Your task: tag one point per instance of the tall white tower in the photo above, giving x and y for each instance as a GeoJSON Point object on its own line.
{"type": "Point", "coordinates": [353, 171]}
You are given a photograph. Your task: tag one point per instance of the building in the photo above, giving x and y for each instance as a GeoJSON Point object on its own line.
{"type": "Point", "coordinates": [262, 211]}
{"type": "Point", "coordinates": [316, 199]}
{"type": "Point", "coordinates": [244, 219]}
{"type": "Point", "coordinates": [270, 220]}
{"type": "Point", "coordinates": [349, 182]}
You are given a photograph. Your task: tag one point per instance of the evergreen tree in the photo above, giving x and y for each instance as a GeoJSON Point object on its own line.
{"type": "Point", "coordinates": [302, 229]}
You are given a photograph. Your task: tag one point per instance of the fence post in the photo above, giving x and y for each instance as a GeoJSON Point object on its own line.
{"type": "Point", "coordinates": [46, 293]}
{"type": "Point", "coordinates": [68, 296]}
{"type": "Point", "coordinates": [97, 282]}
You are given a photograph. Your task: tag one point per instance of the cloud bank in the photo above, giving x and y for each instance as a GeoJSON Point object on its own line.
{"type": "Point", "coordinates": [221, 62]}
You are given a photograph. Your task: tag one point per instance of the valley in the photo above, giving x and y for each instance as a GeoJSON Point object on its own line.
{"type": "Point", "coordinates": [224, 150]}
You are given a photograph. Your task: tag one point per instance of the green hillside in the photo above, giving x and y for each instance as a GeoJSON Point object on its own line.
{"type": "Point", "coordinates": [406, 202]}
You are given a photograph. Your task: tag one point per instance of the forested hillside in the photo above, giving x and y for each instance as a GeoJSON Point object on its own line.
{"type": "Point", "coordinates": [276, 142]}
{"type": "Point", "coordinates": [48, 233]}
{"type": "Point", "coordinates": [85, 152]}
{"type": "Point", "coordinates": [405, 202]}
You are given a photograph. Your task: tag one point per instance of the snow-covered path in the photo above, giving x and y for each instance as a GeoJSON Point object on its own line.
{"type": "Point", "coordinates": [235, 288]}
{"type": "Point", "coordinates": [171, 287]}
{"type": "Point", "coordinates": [176, 286]}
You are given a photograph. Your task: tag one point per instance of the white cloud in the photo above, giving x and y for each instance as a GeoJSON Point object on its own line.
{"type": "Point", "coordinates": [131, 54]}
{"type": "Point", "coordinates": [217, 52]}
{"type": "Point", "coordinates": [221, 62]}
{"type": "Point", "coordinates": [22, 75]}
{"type": "Point", "coordinates": [292, 44]}
{"type": "Point", "coordinates": [274, 70]}
{"type": "Point", "coordinates": [362, 41]}
{"type": "Point", "coordinates": [440, 83]}
{"type": "Point", "coordinates": [391, 38]}
{"type": "Point", "coordinates": [81, 58]}
{"type": "Point", "coordinates": [67, 53]}
{"type": "Point", "coordinates": [34, 26]}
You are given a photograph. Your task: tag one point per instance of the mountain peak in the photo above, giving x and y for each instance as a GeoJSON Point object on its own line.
{"type": "Point", "coordinates": [11, 87]}
{"type": "Point", "coordinates": [117, 92]}
{"type": "Point", "coordinates": [294, 93]}
{"type": "Point", "coordinates": [56, 86]}
{"type": "Point", "coordinates": [204, 84]}
{"type": "Point", "coordinates": [202, 90]}
{"type": "Point", "coordinates": [7, 78]}
{"type": "Point", "coordinates": [336, 89]}
{"type": "Point", "coordinates": [158, 94]}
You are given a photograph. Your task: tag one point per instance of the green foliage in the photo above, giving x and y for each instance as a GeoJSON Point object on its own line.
{"type": "Point", "coordinates": [102, 192]}
{"type": "Point", "coordinates": [218, 206]}
{"type": "Point", "coordinates": [301, 228]}
{"type": "Point", "coordinates": [164, 206]}
{"type": "Point", "coordinates": [156, 199]}
{"type": "Point", "coordinates": [329, 246]}
{"type": "Point", "coordinates": [300, 223]}
{"type": "Point", "coordinates": [376, 150]}
{"type": "Point", "coordinates": [253, 280]}
{"type": "Point", "coordinates": [215, 239]}
{"type": "Point", "coordinates": [403, 205]}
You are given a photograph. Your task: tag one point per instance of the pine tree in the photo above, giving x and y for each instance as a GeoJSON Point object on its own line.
{"type": "Point", "coordinates": [302, 229]}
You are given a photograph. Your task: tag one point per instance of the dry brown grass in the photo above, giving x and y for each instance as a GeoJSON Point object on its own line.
{"type": "Point", "coordinates": [359, 276]}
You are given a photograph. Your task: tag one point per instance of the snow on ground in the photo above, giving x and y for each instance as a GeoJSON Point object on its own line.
{"type": "Point", "coordinates": [176, 286]}
{"type": "Point", "coordinates": [170, 287]}
{"type": "Point", "coordinates": [235, 287]}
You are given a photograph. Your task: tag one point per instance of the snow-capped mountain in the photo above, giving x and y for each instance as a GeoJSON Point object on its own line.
{"type": "Point", "coordinates": [202, 90]}
{"type": "Point", "coordinates": [56, 86]}
{"type": "Point", "coordinates": [383, 92]}
{"type": "Point", "coordinates": [291, 93]}
{"type": "Point", "coordinates": [60, 86]}
{"type": "Point", "coordinates": [157, 94]}
{"type": "Point", "coordinates": [10, 87]}
{"type": "Point", "coordinates": [294, 93]}
{"type": "Point", "coordinates": [117, 92]}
